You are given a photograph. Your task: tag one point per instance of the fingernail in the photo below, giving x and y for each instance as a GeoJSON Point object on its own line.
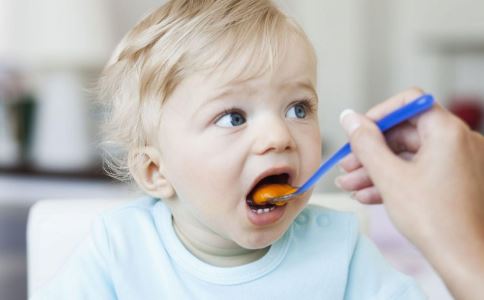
{"type": "Point", "coordinates": [349, 120]}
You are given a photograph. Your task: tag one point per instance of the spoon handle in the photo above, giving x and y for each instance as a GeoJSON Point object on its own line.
{"type": "Point", "coordinates": [396, 117]}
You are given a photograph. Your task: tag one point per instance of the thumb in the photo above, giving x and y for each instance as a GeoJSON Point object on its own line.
{"type": "Point", "coordinates": [369, 146]}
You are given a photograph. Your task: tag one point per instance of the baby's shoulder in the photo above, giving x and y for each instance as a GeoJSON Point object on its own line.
{"type": "Point", "coordinates": [129, 218]}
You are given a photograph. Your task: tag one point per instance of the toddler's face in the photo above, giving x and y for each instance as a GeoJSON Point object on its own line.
{"type": "Point", "coordinates": [218, 139]}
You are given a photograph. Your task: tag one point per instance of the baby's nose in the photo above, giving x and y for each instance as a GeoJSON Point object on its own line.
{"type": "Point", "coordinates": [272, 134]}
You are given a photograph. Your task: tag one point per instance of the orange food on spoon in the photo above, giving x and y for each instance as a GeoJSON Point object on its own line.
{"type": "Point", "coordinates": [272, 190]}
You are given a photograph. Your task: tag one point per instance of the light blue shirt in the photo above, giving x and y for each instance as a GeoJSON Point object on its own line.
{"type": "Point", "coordinates": [134, 253]}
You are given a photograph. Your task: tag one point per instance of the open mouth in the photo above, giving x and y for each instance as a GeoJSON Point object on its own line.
{"type": "Point", "coordinates": [272, 179]}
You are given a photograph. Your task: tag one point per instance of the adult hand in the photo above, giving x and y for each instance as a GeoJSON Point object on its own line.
{"type": "Point", "coordinates": [429, 174]}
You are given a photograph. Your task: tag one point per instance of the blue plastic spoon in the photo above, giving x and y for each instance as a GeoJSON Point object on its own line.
{"type": "Point", "coordinates": [396, 117]}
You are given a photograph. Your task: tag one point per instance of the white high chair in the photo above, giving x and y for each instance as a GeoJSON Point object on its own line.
{"type": "Point", "coordinates": [56, 227]}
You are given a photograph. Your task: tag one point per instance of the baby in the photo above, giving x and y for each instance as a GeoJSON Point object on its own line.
{"type": "Point", "coordinates": [210, 99]}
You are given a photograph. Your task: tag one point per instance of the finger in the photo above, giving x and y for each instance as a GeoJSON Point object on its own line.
{"type": "Point", "coordinates": [369, 145]}
{"type": "Point", "coordinates": [350, 163]}
{"type": "Point", "coordinates": [381, 110]}
{"type": "Point", "coordinates": [404, 137]}
{"type": "Point", "coordinates": [355, 180]}
{"type": "Point", "coordinates": [370, 195]}
{"type": "Point", "coordinates": [438, 123]}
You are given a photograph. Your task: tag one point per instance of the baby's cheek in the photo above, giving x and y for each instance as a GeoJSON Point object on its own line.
{"type": "Point", "coordinates": [312, 158]}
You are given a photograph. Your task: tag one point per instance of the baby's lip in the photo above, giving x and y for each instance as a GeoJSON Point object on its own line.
{"type": "Point", "coordinates": [272, 171]}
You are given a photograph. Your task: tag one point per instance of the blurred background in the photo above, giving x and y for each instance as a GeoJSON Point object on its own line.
{"type": "Point", "coordinates": [51, 53]}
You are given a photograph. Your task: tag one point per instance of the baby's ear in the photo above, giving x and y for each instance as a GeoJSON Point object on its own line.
{"type": "Point", "coordinates": [146, 167]}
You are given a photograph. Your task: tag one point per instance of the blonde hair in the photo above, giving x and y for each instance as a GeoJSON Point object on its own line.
{"type": "Point", "coordinates": [177, 39]}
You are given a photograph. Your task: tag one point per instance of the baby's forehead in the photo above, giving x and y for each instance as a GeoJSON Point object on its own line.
{"type": "Point", "coordinates": [288, 56]}
{"type": "Point", "coordinates": [213, 86]}
{"type": "Point", "coordinates": [292, 64]}
{"type": "Point", "coordinates": [234, 52]}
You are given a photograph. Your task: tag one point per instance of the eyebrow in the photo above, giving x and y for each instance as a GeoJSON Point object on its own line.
{"type": "Point", "coordinates": [223, 93]}
{"type": "Point", "coordinates": [231, 89]}
{"type": "Point", "coordinates": [304, 84]}
{"type": "Point", "coordinates": [236, 85]}
{"type": "Point", "coordinates": [227, 91]}
{"type": "Point", "coordinates": [239, 88]}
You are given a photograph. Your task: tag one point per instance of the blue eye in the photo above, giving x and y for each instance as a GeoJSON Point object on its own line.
{"type": "Point", "coordinates": [298, 111]}
{"type": "Point", "coordinates": [231, 119]}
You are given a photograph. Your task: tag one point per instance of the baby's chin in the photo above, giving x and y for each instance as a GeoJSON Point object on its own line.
{"type": "Point", "coordinates": [260, 239]}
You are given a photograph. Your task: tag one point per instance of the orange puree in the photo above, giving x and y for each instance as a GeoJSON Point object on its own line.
{"type": "Point", "coordinates": [272, 190]}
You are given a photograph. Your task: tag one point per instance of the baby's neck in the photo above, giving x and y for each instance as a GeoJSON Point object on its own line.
{"type": "Point", "coordinates": [217, 254]}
